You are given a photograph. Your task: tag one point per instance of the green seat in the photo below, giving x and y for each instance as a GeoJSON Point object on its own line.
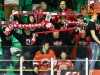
{"type": "Point", "coordinates": [55, 11]}
{"type": "Point", "coordinates": [0, 47]}
{"type": "Point", "coordinates": [1, 15]}
{"type": "Point", "coordinates": [87, 18]}
{"type": "Point", "coordinates": [76, 11]}
{"type": "Point", "coordinates": [1, 3]}
{"type": "Point", "coordinates": [24, 19]}
{"type": "Point", "coordinates": [0, 61]}
{"type": "Point", "coordinates": [26, 4]}
{"type": "Point", "coordinates": [0, 54]}
{"type": "Point", "coordinates": [79, 3]}
{"type": "Point", "coordinates": [15, 42]}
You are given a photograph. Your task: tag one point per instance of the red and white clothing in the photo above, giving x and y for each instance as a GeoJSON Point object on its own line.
{"type": "Point", "coordinates": [38, 17]}
{"type": "Point", "coordinates": [44, 59]}
{"type": "Point", "coordinates": [65, 65]}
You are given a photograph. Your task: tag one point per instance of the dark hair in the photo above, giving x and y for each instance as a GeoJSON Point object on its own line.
{"type": "Point", "coordinates": [62, 1]}
{"type": "Point", "coordinates": [65, 4]}
{"type": "Point", "coordinates": [63, 51]}
{"type": "Point", "coordinates": [33, 17]}
{"type": "Point", "coordinates": [44, 42]}
{"type": "Point", "coordinates": [80, 17]}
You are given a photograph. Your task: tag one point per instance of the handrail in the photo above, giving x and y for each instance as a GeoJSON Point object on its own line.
{"type": "Point", "coordinates": [9, 5]}
{"type": "Point", "coordinates": [44, 13]}
{"type": "Point", "coordinates": [22, 70]}
{"type": "Point", "coordinates": [12, 69]}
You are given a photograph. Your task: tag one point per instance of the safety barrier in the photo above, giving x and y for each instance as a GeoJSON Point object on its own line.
{"type": "Point", "coordinates": [58, 72]}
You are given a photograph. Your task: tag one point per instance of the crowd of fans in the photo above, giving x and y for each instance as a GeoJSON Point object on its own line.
{"type": "Point", "coordinates": [78, 44]}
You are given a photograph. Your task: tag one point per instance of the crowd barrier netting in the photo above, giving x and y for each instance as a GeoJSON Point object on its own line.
{"type": "Point", "coordinates": [22, 70]}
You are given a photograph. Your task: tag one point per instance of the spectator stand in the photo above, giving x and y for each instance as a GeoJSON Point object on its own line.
{"type": "Point", "coordinates": [31, 13]}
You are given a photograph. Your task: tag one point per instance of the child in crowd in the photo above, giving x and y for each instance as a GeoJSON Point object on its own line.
{"type": "Point", "coordinates": [64, 63]}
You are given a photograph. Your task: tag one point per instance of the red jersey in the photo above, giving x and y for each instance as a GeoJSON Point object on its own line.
{"type": "Point", "coordinates": [44, 59]}
{"type": "Point", "coordinates": [65, 64]}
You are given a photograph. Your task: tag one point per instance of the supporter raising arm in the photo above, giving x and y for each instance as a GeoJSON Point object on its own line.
{"type": "Point", "coordinates": [57, 41]}
{"type": "Point", "coordinates": [28, 46]}
{"type": "Point", "coordinates": [5, 45]}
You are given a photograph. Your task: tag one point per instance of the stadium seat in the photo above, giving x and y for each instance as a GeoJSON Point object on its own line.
{"type": "Point", "coordinates": [26, 5]}
{"type": "Point", "coordinates": [1, 15]}
{"type": "Point", "coordinates": [87, 18]}
{"type": "Point", "coordinates": [1, 18]}
{"type": "Point", "coordinates": [24, 19]}
{"type": "Point", "coordinates": [0, 52]}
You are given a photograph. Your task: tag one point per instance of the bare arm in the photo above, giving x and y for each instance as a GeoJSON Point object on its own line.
{"type": "Point", "coordinates": [94, 36]}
